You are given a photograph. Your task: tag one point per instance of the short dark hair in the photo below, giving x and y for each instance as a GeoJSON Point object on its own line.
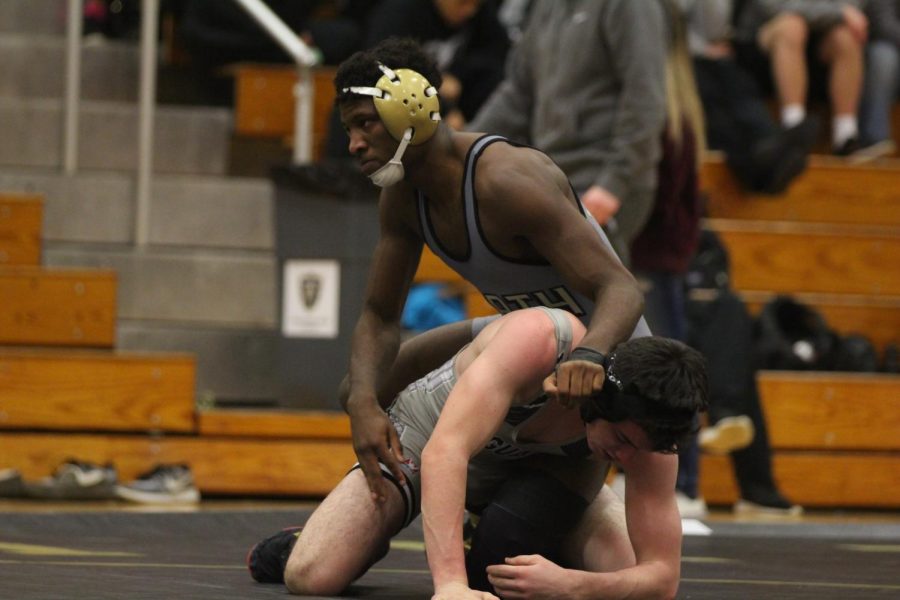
{"type": "Point", "coordinates": [660, 384]}
{"type": "Point", "coordinates": [361, 69]}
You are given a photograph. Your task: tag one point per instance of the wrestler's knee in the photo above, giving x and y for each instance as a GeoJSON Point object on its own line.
{"type": "Point", "coordinates": [313, 575]}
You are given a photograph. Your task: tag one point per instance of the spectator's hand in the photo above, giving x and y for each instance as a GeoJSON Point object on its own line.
{"type": "Point", "coordinates": [600, 203]}
{"type": "Point", "coordinates": [460, 591]}
{"type": "Point", "coordinates": [529, 576]}
{"type": "Point", "coordinates": [451, 88]}
{"type": "Point", "coordinates": [455, 119]}
{"type": "Point", "coordinates": [374, 440]}
{"type": "Point", "coordinates": [718, 50]}
{"type": "Point", "coordinates": [573, 381]}
{"type": "Point", "coordinates": [857, 22]}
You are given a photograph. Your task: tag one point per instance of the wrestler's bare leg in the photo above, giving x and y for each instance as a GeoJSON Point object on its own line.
{"type": "Point", "coordinates": [346, 534]}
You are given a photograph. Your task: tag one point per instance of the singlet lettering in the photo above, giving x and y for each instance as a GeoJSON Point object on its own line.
{"type": "Point", "coordinates": [555, 297]}
{"type": "Point", "coordinates": [503, 449]}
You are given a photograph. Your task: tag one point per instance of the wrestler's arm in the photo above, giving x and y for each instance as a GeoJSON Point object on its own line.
{"type": "Point", "coordinates": [511, 356]}
{"type": "Point", "coordinates": [654, 529]}
{"type": "Point", "coordinates": [376, 337]}
{"type": "Point", "coordinates": [529, 193]}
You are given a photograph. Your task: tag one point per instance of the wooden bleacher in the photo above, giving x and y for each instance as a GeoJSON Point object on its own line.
{"type": "Point", "coordinates": [264, 102]}
{"type": "Point", "coordinates": [833, 435]}
{"type": "Point", "coordinates": [832, 242]}
{"type": "Point", "coordinates": [66, 392]}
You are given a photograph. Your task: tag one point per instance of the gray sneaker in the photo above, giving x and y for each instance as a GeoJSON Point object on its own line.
{"type": "Point", "coordinates": [11, 483]}
{"type": "Point", "coordinates": [164, 484]}
{"type": "Point", "coordinates": [75, 480]}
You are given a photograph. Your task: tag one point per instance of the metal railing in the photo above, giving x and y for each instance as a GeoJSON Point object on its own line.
{"type": "Point", "coordinates": [304, 57]}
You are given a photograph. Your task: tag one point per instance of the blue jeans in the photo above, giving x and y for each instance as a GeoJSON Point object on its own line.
{"type": "Point", "coordinates": [880, 88]}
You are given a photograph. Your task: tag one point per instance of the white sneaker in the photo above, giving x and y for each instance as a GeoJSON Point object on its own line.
{"type": "Point", "coordinates": [873, 152]}
{"type": "Point", "coordinates": [727, 435]}
{"type": "Point", "coordinates": [691, 508]}
{"type": "Point", "coordinates": [165, 484]}
{"type": "Point", "coordinates": [745, 508]}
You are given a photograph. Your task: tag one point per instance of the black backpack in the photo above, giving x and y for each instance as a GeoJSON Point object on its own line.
{"type": "Point", "coordinates": [793, 336]}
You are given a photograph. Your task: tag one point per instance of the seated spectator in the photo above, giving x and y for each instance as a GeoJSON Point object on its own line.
{"type": "Point", "coordinates": [218, 33]}
{"type": "Point", "coordinates": [466, 39]}
{"type": "Point", "coordinates": [800, 36]}
{"type": "Point", "coordinates": [763, 156]}
{"type": "Point", "coordinates": [882, 80]}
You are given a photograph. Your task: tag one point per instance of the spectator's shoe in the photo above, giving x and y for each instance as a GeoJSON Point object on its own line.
{"type": "Point", "coordinates": [164, 484]}
{"type": "Point", "coordinates": [846, 150]}
{"type": "Point", "coordinates": [267, 559]}
{"type": "Point", "coordinates": [770, 504]}
{"type": "Point", "coordinates": [804, 134]}
{"type": "Point", "coordinates": [76, 480]}
{"type": "Point", "coordinates": [864, 154]}
{"type": "Point", "coordinates": [11, 483]}
{"type": "Point", "coordinates": [727, 435]}
{"type": "Point", "coordinates": [691, 508]}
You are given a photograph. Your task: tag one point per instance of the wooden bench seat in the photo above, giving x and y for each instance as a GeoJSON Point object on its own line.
{"type": "Point", "coordinates": [816, 479]}
{"type": "Point", "coordinates": [274, 423]}
{"type": "Point", "coordinates": [220, 465]}
{"type": "Point", "coordinates": [21, 220]}
{"type": "Point", "coordinates": [833, 437]}
{"type": "Point", "coordinates": [95, 390]}
{"type": "Point", "coordinates": [831, 411]}
{"type": "Point", "coordinates": [829, 191]}
{"type": "Point", "coordinates": [791, 258]}
{"type": "Point", "coordinates": [264, 102]}
{"type": "Point", "coordinates": [57, 307]}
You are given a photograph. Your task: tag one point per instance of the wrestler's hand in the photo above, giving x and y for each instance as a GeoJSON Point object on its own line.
{"type": "Point", "coordinates": [460, 591]}
{"type": "Point", "coordinates": [573, 381]}
{"type": "Point", "coordinates": [375, 440]}
{"type": "Point", "coordinates": [530, 577]}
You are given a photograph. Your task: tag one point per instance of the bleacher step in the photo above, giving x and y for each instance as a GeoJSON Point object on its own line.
{"type": "Point", "coordinates": [824, 410]}
{"type": "Point", "coordinates": [57, 307]}
{"type": "Point", "coordinates": [188, 211]}
{"type": "Point", "coordinates": [829, 191]}
{"type": "Point", "coordinates": [187, 140]}
{"type": "Point", "coordinates": [791, 257]}
{"type": "Point", "coordinates": [816, 479]}
{"type": "Point", "coordinates": [95, 391]}
{"type": "Point", "coordinates": [21, 221]}
{"type": "Point", "coordinates": [221, 465]}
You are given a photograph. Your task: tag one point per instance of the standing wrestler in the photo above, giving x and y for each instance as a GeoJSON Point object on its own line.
{"type": "Point", "coordinates": [470, 425]}
{"type": "Point", "coordinates": [503, 216]}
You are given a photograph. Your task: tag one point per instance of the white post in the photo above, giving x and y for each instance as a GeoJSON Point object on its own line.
{"type": "Point", "coordinates": [147, 104]}
{"type": "Point", "coordinates": [73, 86]}
{"type": "Point", "coordinates": [305, 58]}
{"type": "Point", "coordinates": [303, 116]}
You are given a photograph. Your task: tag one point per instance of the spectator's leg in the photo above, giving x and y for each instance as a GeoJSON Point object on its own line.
{"type": "Point", "coordinates": [784, 39]}
{"type": "Point", "coordinates": [882, 78]}
{"type": "Point", "coordinates": [843, 54]}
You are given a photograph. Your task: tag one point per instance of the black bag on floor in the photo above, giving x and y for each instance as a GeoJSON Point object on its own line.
{"type": "Point", "coordinates": [793, 336]}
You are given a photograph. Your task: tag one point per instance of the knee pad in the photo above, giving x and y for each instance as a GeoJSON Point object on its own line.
{"type": "Point", "coordinates": [530, 514]}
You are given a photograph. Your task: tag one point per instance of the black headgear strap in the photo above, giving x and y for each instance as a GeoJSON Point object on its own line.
{"type": "Point", "coordinates": [617, 401]}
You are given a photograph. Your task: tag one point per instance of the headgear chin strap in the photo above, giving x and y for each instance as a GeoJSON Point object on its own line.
{"type": "Point", "coordinates": [409, 108]}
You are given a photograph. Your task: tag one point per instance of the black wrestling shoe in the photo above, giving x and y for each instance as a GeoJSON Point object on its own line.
{"type": "Point", "coordinates": [268, 558]}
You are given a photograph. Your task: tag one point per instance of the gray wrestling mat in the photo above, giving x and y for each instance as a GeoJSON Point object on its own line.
{"type": "Point", "coordinates": [101, 555]}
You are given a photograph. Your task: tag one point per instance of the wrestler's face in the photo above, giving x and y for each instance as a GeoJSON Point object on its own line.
{"type": "Point", "coordinates": [616, 442]}
{"type": "Point", "coordinates": [370, 142]}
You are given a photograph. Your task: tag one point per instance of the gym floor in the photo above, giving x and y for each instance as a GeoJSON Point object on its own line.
{"type": "Point", "coordinates": [102, 551]}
